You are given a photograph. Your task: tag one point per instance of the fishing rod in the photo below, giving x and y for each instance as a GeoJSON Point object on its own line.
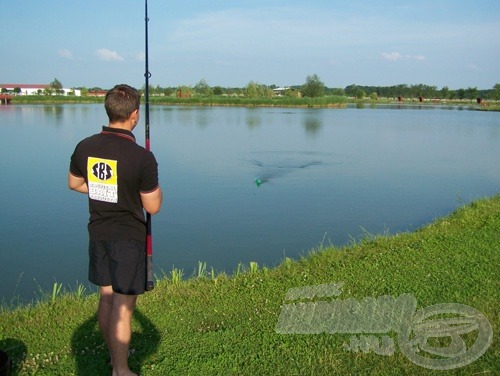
{"type": "Point", "coordinates": [150, 284]}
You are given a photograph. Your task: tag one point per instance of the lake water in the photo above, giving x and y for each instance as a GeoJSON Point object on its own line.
{"type": "Point", "coordinates": [325, 176]}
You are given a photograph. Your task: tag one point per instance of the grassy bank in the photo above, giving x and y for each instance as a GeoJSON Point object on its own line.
{"type": "Point", "coordinates": [322, 102]}
{"type": "Point", "coordinates": [236, 101]}
{"type": "Point", "coordinates": [221, 325]}
{"type": "Point", "coordinates": [54, 99]}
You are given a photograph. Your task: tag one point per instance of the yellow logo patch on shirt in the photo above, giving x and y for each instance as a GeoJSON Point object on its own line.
{"type": "Point", "coordinates": [102, 176]}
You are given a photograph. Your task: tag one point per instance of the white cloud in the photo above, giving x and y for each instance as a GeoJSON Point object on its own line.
{"type": "Point", "coordinates": [392, 56]}
{"type": "Point", "coordinates": [140, 56]}
{"type": "Point", "coordinates": [65, 54]}
{"type": "Point", "coordinates": [107, 55]}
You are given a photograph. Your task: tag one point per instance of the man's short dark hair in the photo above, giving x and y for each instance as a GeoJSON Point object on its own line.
{"type": "Point", "coordinates": [120, 102]}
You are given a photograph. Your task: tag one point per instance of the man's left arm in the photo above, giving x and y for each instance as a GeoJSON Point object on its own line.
{"type": "Point", "coordinates": [77, 183]}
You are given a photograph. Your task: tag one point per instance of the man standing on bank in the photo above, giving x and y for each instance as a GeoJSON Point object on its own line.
{"type": "Point", "coordinates": [121, 180]}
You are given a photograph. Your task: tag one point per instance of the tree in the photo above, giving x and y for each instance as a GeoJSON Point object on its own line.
{"type": "Point", "coordinates": [151, 89]}
{"type": "Point", "coordinates": [202, 88]}
{"type": "Point", "coordinates": [460, 93]}
{"type": "Point", "coordinates": [360, 94]}
{"type": "Point", "coordinates": [313, 87]}
{"type": "Point", "coordinates": [57, 86]}
{"type": "Point", "coordinates": [471, 92]}
{"type": "Point", "coordinates": [337, 91]}
{"type": "Point", "coordinates": [156, 90]}
{"type": "Point", "coordinates": [496, 92]}
{"type": "Point", "coordinates": [444, 93]}
{"type": "Point", "coordinates": [351, 90]}
{"type": "Point", "coordinates": [252, 90]}
{"type": "Point", "coordinates": [184, 92]}
{"type": "Point", "coordinates": [255, 90]}
{"type": "Point", "coordinates": [291, 93]}
{"type": "Point", "coordinates": [218, 90]}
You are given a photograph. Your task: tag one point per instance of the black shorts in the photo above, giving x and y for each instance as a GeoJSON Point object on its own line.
{"type": "Point", "coordinates": [119, 263]}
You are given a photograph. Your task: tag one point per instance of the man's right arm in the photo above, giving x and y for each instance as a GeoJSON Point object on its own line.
{"type": "Point", "coordinates": [151, 201]}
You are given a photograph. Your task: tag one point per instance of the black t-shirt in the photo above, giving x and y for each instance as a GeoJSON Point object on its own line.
{"type": "Point", "coordinates": [116, 171]}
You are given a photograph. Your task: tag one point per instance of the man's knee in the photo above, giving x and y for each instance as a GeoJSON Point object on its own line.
{"type": "Point", "coordinates": [125, 303]}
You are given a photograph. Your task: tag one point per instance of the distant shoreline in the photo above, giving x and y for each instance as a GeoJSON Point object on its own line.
{"type": "Point", "coordinates": [220, 101]}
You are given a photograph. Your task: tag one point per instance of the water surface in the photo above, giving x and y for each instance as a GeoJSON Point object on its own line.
{"type": "Point", "coordinates": [242, 184]}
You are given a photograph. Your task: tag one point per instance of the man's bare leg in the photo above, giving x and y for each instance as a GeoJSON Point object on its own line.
{"type": "Point", "coordinates": [104, 311]}
{"type": "Point", "coordinates": [120, 332]}
{"type": "Point", "coordinates": [115, 318]}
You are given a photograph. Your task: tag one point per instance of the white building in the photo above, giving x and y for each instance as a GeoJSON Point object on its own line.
{"type": "Point", "coordinates": [33, 89]}
{"type": "Point", "coordinates": [279, 91]}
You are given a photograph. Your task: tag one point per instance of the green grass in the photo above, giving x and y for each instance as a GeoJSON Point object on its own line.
{"type": "Point", "coordinates": [236, 101]}
{"type": "Point", "coordinates": [323, 102]}
{"type": "Point", "coordinates": [55, 99]}
{"type": "Point", "coordinates": [226, 325]}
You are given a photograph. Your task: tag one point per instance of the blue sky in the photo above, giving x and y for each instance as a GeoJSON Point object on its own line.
{"type": "Point", "coordinates": [232, 42]}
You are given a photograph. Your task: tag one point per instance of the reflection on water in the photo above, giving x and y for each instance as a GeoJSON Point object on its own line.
{"type": "Point", "coordinates": [312, 125]}
{"type": "Point", "coordinates": [242, 184]}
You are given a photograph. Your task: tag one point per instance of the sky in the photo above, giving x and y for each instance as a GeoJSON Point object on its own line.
{"type": "Point", "coordinates": [229, 43]}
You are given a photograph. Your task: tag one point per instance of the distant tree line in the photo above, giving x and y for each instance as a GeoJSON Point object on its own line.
{"type": "Point", "coordinates": [425, 91]}
{"type": "Point", "coordinates": [314, 87]}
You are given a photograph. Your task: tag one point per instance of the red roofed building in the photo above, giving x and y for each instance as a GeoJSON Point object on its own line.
{"type": "Point", "coordinates": [96, 93]}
